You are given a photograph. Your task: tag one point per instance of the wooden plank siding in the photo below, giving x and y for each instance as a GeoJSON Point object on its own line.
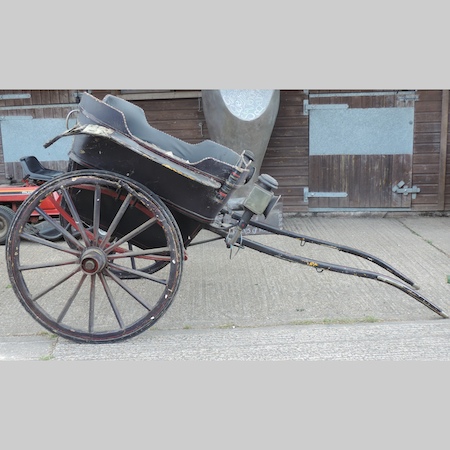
{"type": "Point", "coordinates": [426, 151]}
{"type": "Point", "coordinates": [179, 117]}
{"type": "Point", "coordinates": [287, 156]}
{"type": "Point", "coordinates": [363, 183]}
{"type": "Point", "coordinates": [41, 104]}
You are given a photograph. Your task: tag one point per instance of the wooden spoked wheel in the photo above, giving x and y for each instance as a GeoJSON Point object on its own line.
{"type": "Point", "coordinates": [116, 268]}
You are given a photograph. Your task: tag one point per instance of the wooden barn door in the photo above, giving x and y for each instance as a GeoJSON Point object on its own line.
{"type": "Point", "coordinates": [361, 146]}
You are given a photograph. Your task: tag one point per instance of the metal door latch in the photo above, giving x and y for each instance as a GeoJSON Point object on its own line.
{"type": "Point", "coordinates": [400, 188]}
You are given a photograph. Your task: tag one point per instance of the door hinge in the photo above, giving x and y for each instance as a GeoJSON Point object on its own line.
{"type": "Point", "coordinates": [401, 188]}
{"type": "Point", "coordinates": [407, 97]}
{"type": "Point", "coordinates": [308, 107]}
{"type": "Point", "coordinates": [307, 194]}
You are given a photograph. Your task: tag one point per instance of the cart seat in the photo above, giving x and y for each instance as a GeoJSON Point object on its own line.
{"type": "Point", "coordinates": [141, 129]}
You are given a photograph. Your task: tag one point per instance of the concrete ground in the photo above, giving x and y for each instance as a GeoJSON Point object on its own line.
{"type": "Point", "coordinates": [248, 305]}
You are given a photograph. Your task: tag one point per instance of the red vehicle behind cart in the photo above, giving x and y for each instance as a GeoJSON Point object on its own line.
{"type": "Point", "coordinates": [12, 196]}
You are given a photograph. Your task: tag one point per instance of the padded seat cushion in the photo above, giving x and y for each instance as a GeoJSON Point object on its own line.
{"type": "Point", "coordinates": [140, 128]}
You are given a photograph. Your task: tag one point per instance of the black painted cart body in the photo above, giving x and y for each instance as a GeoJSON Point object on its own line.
{"type": "Point", "coordinates": [131, 203]}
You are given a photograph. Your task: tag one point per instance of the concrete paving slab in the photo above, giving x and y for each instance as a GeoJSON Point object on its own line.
{"type": "Point", "coordinates": [256, 289]}
{"type": "Point", "coordinates": [26, 348]}
{"type": "Point", "coordinates": [224, 291]}
{"type": "Point", "coordinates": [403, 341]}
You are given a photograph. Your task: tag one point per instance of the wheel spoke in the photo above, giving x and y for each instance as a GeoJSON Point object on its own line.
{"type": "Point", "coordinates": [112, 301]}
{"type": "Point", "coordinates": [78, 225]}
{"type": "Point", "coordinates": [131, 234]}
{"type": "Point", "coordinates": [96, 213]}
{"type": "Point", "coordinates": [60, 228]}
{"type": "Point", "coordinates": [116, 220]}
{"type": "Point", "coordinates": [71, 299]}
{"type": "Point", "coordinates": [92, 303]}
{"type": "Point", "coordinates": [44, 242]}
{"type": "Point", "coordinates": [151, 254]}
{"type": "Point", "coordinates": [47, 265]}
{"type": "Point", "coordinates": [139, 273]}
{"type": "Point", "coordinates": [56, 284]}
{"type": "Point", "coordinates": [133, 260]}
{"type": "Point", "coordinates": [130, 291]}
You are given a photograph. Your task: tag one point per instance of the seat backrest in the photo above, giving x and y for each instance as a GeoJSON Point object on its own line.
{"type": "Point", "coordinates": [33, 169]}
{"type": "Point", "coordinates": [31, 164]}
{"type": "Point", "coordinates": [139, 127]}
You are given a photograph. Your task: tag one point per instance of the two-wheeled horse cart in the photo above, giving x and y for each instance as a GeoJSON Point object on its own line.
{"type": "Point", "coordinates": [132, 201]}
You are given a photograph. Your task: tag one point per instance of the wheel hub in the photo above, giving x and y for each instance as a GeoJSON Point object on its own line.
{"type": "Point", "coordinates": [93, 261]}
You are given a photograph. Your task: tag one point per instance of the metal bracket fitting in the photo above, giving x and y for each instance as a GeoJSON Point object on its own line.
{"type": "Point", "coordinates": [400, 188]}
